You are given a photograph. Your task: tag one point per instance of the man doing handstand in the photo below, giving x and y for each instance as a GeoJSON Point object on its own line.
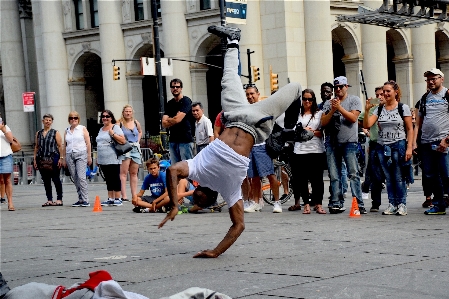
{"type": "Point", "coordinates": [223, 164]}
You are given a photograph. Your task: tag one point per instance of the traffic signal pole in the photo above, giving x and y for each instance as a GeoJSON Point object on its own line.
{"type": "Point", "coordinates": [250, 77]}
{"type": "Point", "coordinates": [157, 59]}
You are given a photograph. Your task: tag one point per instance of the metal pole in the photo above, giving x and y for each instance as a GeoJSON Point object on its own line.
{"type": "Point", "coordinates": [223, 23]}
{"type": "Point", "coordinates": [157, 56]}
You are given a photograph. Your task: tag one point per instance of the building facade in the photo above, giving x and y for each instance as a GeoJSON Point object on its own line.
{"type": "Point", "coordinates": [63, 51]}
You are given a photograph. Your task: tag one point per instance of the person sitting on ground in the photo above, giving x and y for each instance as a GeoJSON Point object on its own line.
{"type": "Point", "coordinates": [222, 165]}
{"type": "Point", "coordinates": [155, 182]}
{"type": "Point", "coordinates": [185, 191]}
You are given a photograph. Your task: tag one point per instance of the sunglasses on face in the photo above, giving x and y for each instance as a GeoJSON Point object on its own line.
{"type": "Point", "coordinates": [105, 116]}
{"type": "Point", "coordinates": [73, 118]}
{"type": "Point", "coordinates": [174, 87]}
{"type": "Point", "coordinates": [339, 86]}
{"type": "Point", "coordinates": [307, 99]}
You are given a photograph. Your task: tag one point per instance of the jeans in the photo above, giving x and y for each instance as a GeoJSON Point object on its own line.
{"type": "Point", "coordinates": [52, 175]}
{"type": "Point", "coordinates": [435, 169]}
{"type": "Point", "coordinates": [336, 154]}
{"type": "Point", "coordinates": [391, 167]}
{"type": "Point", "coordinates": [373, 176]}
{"type": "Point", "coordinates": [180, 151]}
{"type": "Point", "coordinates": [344, 177]}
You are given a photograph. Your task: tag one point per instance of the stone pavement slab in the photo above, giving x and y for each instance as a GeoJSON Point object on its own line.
{"type": "Point", "coordinates": [288, 255]}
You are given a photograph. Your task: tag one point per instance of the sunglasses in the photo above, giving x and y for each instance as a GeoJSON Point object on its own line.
{"type": "Point", "coordinates": [174, 87]}
{"type": "Point", "coordinates": [307, 99]}
{"type": "Point", "coordinates": [105, 116]}
{"type": "Point", "coordinates": [339, 86]}
{"type": "Point", "coordinates": [73, 118]}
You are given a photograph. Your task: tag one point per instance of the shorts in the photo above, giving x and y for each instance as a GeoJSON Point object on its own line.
{"type": "Point", "coordinates": [6, 164]}
{"type": "Point", "coordinates": [134, 154]}
{"type": "Point", "coordinates": [261, 164]}
{"type": "Point", "coordinates": [221, 169]}
{"type": "Point", "coordinates": [148, 198]}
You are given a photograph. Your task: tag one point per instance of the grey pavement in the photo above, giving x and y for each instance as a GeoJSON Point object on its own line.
{"type": "Point", "coordinates": [288, 255]}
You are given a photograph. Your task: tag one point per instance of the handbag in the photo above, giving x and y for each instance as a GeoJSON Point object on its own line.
{"type": "Point", "coordinates": [15, 145]}
{"type": "Point", "coordinates": [45, 163]}
{"type": "Point", "coordinates": [121, 149]}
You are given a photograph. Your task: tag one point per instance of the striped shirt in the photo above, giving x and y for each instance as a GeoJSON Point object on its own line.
{"type": "Point", "coordinates": [47, 144]}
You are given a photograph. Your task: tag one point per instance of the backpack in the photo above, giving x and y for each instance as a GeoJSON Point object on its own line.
{"type": "Point", "coordinates": [422, 103]}
{"type": "Point", "coordinates": [400, 110]}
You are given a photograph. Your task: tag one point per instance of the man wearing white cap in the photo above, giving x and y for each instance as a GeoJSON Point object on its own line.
{"type": "Point", "coordinates": [434, 125]}
{"type": "Point", "coordinates": [341, 137]}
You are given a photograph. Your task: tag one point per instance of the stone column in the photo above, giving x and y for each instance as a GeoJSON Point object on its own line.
{"type": "Point", "coordinates": [175, 41]}
{"type": "Point", "coordinates": [78, 102]}
{"type": "Point", "coordinates": [374, 50]}
{"type": "Point", "coordinates": [55, 63]}
{"type": "Point", "coordinates": [199, 87]}
{"type": "Point", "coordinates": [424, 57]}
{"type": "Point", "coordinates": [13, 68]}
{"type": "Point", "coordinates": [135, 95]}
{"type": "Point", "coordinates": [353, 66]}
{"type": "Point", "coordinates": [404, 79]}
{"type": "Point", "coordinates": [112, 47]}
{"type": "Point", "coordinates": [318, 44]}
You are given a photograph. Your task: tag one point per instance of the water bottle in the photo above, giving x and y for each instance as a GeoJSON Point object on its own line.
{"type": "Point", "coordinates": [435, 146]}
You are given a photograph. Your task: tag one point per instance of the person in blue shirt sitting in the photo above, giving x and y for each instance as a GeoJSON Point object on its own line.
{"type": "Point", "coordinates": [155, 182]}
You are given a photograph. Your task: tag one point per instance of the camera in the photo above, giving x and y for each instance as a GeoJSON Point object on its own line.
{"type": "Point", "coordinates": [301, 134]}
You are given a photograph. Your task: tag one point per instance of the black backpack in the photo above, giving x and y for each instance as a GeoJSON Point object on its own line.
{"type": "Point", "coordinates": [400, 110]}
{"type": "Point", "coordinates": [422, 103]}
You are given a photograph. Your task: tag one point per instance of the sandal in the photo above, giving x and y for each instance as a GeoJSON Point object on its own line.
{"type": "Point", "coordinates": [294, 208]}
{"type": "Point", "coordinates": [306, 209]}
{"type": "Point", "coordinates": [48, 204]}
{"type": "Point", "coordinates": [11, 208]}
{"type": "Point", "coordinates": [319, 209]}
{"type": "Point", "coordinates": [59, 204]}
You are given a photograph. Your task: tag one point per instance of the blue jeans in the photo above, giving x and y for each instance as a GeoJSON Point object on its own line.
{"type": "Point", "coordinates": [336, 154]}
{"type": "Point", "coordinates": [391, 167]}
{"type": "Point", "coordinates": [180, 151]}
{"type": "Point", "coordinates": [344, 177]}
{"type": "Point", "coordinates": [435, 169]}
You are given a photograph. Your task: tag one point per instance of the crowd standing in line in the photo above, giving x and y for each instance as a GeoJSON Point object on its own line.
{"type": "Point", "coordinates": [48, 159]}
{"type": "Point", "coordinates": [77, 156]}
{"type": "Point", "coordinates": [130, 161]}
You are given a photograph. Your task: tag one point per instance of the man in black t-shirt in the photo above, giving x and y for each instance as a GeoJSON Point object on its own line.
{"type": "Point", "coordinates": [178, 117]}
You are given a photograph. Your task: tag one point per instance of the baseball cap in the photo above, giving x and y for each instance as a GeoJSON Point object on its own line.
{"type": "Point", "coordinates": [434, 71]}
{"type": "Point", "coordinates": [341, 80]}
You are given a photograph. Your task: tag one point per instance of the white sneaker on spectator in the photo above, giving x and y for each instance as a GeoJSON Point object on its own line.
{"type": "Point", "coordinates": [246, 204]}
{"type": "Point", "coordinates": [277, 208]}
{"type": "Point", "coordinates": [253, 207]}
{"type": "Point", "coordinates": [365, 196]}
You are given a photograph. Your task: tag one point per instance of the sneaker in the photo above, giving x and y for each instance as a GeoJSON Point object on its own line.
{"type": "Point", "coordinates": [108, 202]}
{"type": "Point", "coordinates": [402, 210]}
{"type": "Point", "coordinates": [336, 209]}
{"type": "Point", "coordinates": [77, 204]}
{"type": "Point", "coordinates": [427, 203]}
{"type": "Point", "coordinates": [146, 210]}
{"type": "Point", "coordinates": [283, 197]}
{"type": "Point", "coordinates": [2, 200]}
{"type": "Point", "coordinates": [435, 211]}
{"type": "Point", "coordinates": [246, 203]}
{"type": "Point", "coordinates": [253, 207]}
{"type": "Point", "coordinates": [136, 209]}
{"type": "Point", "coordinates": [365, 196]}
{"type": "Point", "coordinates": [374, 209]}
{"type": "Point", "coordinates": [85, 204]}
{"type": "Point", "coordinates": [117, 203]}
{"type": "Point", "coordinates": [391, 210]}
{"type": "Point", "coordinates": [362, 210]}
{"type": "Point", "coordinates": [277, 208]}
{"type": "Point", "coordinates": [230, 32]}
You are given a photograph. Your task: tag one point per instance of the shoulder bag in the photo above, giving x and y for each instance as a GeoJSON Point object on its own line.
{"type": "Point", "coordinates": [121, 149]}
{"type": "Point", "coordinates": [15, 145]}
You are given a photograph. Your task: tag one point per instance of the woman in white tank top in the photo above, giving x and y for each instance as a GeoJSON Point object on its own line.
{"type": "Point", "coordinates": [78, 156]}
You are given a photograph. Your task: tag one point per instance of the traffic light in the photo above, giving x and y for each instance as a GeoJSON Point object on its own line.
{"type": "Point", "coordinates": [256, 73]}
{"type": "Point", "coordinates": [115, 73]}
{"type": "Point", "coordinates": [273, 81]}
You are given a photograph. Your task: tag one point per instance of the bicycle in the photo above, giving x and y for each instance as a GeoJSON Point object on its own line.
{"type": "Point", "coordinates": [279, 168]}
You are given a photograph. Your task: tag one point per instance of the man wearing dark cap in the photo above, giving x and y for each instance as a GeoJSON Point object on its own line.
{"type": "Point", "coordinates": [434, 125]}
{"type": "Point", "coordinates": [340, 122]}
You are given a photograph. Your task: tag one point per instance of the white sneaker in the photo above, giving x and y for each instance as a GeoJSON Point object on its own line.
{"type": "Point", "coordinates": [402, 210]}
{"type": "Point", "coordinates": [246, 204]}
{"type": "Point", "coordinates": [365, 196]}
{"type": "Point", "coordinates": [277, 208]}
{"type": "Point", "coordinates": [253, 207]}
{"type": "Point", "coordinates": [391, 210]}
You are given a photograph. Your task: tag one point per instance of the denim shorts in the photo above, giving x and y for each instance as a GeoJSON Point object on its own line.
{"type": "Point", "coordinates": [6, 164]}
{"type": "Point", "coordinates": [260, 164]}
{"type": "Point", "coordinates": [134, 154]}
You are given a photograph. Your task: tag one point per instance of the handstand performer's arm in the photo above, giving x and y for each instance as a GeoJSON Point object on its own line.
{"type": "Point", "coordinates": [175, 172]}
{"type": "Point", "coordinates": [238, 225]}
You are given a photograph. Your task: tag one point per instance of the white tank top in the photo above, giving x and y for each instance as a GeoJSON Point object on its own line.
{"type": "Point", "coordinates": [75, 141]}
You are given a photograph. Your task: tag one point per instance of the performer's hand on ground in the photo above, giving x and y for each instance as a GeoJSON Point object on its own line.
{"type": "Point", "coordinates": [206, 254]}
{"type": "Point", "coordinates": [170, 216]}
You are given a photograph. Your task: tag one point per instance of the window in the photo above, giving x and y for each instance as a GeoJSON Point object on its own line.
{"type": "Point", "coordinates": [138, 10]}
{"type": "Point", "coordinates": [79, 14]}
{"type": "Point", "coordinates": [94, 13]}
{"type": "Point", "coordinates": [204, 4]}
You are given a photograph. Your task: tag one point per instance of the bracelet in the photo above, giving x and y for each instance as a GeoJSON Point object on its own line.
{"type": "Point", "coordinates": [60, 158]}
{"type": "Point", "coordinates": [112, 134]}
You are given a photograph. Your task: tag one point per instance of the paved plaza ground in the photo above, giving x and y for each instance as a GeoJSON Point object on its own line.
{"type": "Point", "coordinates": [288, 255]}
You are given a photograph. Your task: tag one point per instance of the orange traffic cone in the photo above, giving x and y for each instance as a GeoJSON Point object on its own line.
{"type": "Point", "coordinates": [354, 212]}
{"type": "Point", "coordinates": [97, 205]}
